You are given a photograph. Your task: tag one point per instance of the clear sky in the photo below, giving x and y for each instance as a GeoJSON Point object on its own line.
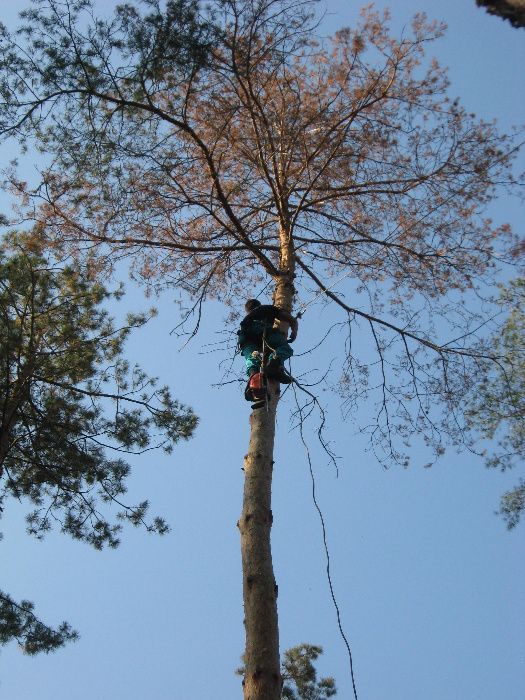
{"type": "Point", "coordinates": [428, 580]}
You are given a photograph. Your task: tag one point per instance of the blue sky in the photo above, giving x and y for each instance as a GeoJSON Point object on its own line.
{"type": "Point", "coordinates": [428, 580]}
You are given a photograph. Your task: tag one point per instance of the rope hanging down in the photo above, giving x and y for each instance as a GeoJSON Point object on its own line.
{"type": "Point", "coordinates": [327, 553]}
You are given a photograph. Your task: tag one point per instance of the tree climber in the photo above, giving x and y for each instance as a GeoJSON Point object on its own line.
{"type": "Point", "coordinates": [258, 326]}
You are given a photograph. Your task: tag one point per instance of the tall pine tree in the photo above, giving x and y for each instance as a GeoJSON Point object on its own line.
{"type": "Point", "coordinates": [270, 157]}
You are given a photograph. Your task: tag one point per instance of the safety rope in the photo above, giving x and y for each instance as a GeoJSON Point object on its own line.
{"type": "Point", "coordinates": [326, 549]}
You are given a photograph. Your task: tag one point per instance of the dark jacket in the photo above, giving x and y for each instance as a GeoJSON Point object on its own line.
{"type": "Point", "coordinates": [255, 323]}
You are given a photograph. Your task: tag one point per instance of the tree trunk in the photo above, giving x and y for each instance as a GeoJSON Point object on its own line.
{"type": "Point", "coordinates": [262, 675]}
{"type": "Point", "coordinates": [262, 678]}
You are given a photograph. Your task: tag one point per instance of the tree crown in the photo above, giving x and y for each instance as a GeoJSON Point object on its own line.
{"type": "Point", "coordinates": [70, 399]}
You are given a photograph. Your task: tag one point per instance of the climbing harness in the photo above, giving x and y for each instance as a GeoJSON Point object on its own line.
{"type": "Point", "coordinates": [257, 386]}
{"type": "Point", "coordinates": [257, 334]}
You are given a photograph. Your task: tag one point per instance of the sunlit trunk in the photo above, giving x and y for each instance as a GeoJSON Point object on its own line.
{"type": "Point", "coordinates": [262, 680]}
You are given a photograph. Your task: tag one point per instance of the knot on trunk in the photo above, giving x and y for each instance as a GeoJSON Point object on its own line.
{"type": "Point", "coordinates": [260, 671]}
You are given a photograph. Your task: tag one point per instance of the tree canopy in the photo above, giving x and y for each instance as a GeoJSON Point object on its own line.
{"type": "Point", "coordinates": [497, 406]}
{"type": "Point", "coordinates": [336, 168]}
{"type": "Point", "coordinates": [327, 168]}
{"type": "Point", "coordinates": [71, 409]}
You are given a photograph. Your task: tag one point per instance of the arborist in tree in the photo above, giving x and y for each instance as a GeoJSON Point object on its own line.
{"type": "Point", "coordinates": [259, 339]}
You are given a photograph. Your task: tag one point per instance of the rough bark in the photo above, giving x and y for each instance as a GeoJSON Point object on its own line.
{"type": "Point", "coordinates": [262, 679]}
{"type": "Point", "coordinates": [511, 10]}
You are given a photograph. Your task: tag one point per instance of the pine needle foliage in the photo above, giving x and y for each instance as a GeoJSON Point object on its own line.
{"type": "Point", "coordinates": [71, 408]}
{"type": "Point", "coordinates": [18, 622]}
{"type": "Point", "coordinates": [497, 406]}
{"type": "Point", "coordinates": [300, 676]}
{"type": "Point", "coordinates": [71, 404]}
